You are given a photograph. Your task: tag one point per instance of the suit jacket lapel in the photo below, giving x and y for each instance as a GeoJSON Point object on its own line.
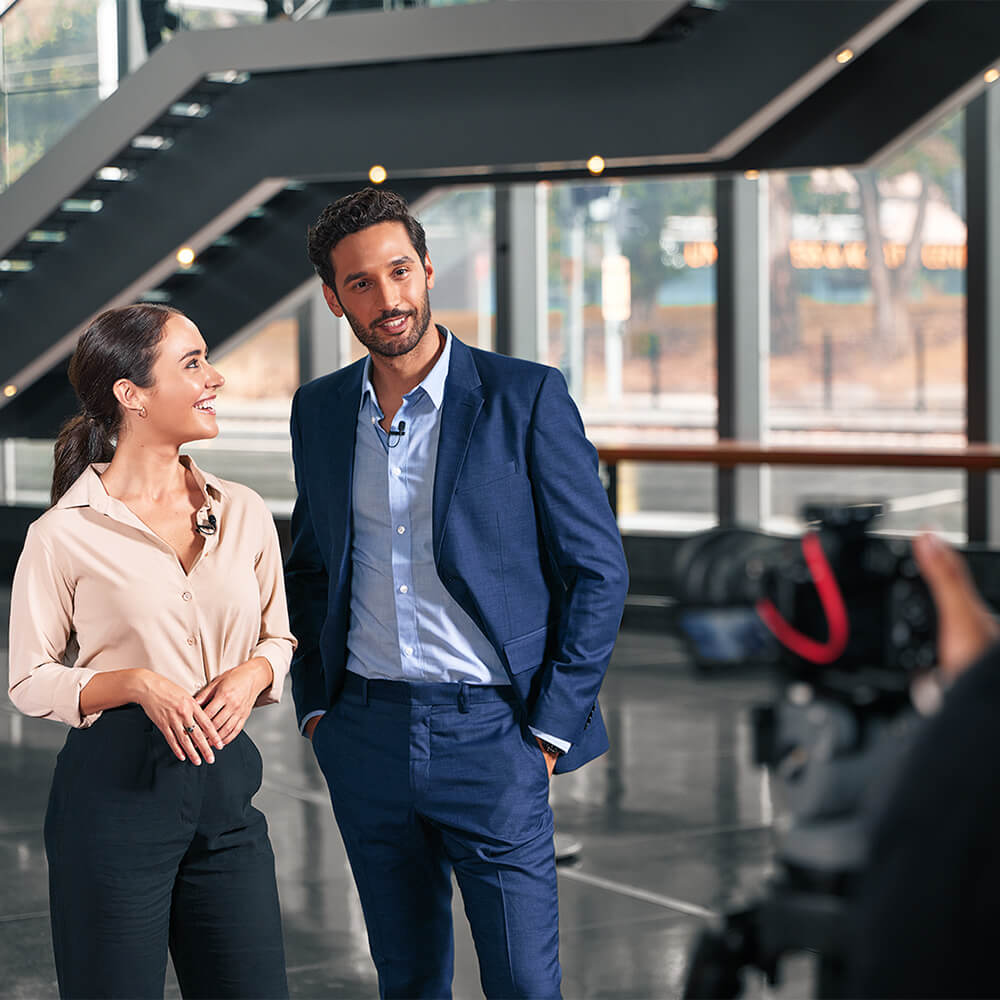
{"type": "Point", "coordinates": [463, 399]}
{"type": "Point", "coordinates": [341, 436]}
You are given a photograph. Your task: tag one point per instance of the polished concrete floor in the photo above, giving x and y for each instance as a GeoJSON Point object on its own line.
{"type": "Point", "coordinates": [675, 823]}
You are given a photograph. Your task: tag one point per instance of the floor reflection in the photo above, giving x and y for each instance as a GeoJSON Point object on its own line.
{"type": "Point", "coordinates": [675, 812]}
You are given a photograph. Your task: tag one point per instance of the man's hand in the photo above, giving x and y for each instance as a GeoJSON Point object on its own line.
{"type": "Point", "coordinates": [311, 726]}
{"type": "Point", "coordinates": [965, 626]}
{"type": "Point", "coordinates": [550, 758]}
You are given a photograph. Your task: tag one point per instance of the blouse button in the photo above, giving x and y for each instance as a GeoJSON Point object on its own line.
{"type": "Point", "coordinates": [191, 640]}
{"type": "Point", "coordinates": [186, 595]}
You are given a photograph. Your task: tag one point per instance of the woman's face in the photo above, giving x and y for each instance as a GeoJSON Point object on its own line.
{"type": "Point", "coordinates": [180, 405]}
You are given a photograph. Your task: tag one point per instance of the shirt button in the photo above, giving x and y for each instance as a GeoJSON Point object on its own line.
{"type": "Point", "coordinates": [186, 595]}
{"type": "Point", "coordinates": [408, 650]}
{"type": "Point", "coordinates": [374, 420]}
{"type": "Point", "coordinates": [401, 530]}
{"type": "Point", "coordinates": [191, 640]}
{"type": "Point", "coordinates": [403, 589]}
{"type": "Point", "coordinates": [396, 470]}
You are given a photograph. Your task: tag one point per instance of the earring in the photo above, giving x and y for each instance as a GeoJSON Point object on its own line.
{"type": "Point", "coordinates": [142, 412]}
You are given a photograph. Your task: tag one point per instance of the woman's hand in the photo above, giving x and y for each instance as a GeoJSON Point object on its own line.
{"type": "Point", "coordinates": [186, 727]}
{"type": "Point", "coordinates": [229, 698]}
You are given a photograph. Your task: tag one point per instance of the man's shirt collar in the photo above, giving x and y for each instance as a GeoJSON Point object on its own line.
{"type": "Point", "coordinates": [432, 385]}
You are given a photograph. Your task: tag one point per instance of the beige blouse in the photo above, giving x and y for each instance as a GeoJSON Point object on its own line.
{"type": "Point", "coordinates": [95, 589]}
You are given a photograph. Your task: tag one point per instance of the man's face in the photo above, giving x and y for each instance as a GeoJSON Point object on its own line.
{"type": "Point", "coordinates": [382, 288]}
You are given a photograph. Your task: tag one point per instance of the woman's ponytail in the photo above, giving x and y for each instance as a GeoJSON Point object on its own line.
{"type": "Point", "coordinates": [81, 441]}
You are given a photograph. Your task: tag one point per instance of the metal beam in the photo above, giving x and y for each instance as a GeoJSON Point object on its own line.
{"type": "Point", "coordinates": [740, 308]}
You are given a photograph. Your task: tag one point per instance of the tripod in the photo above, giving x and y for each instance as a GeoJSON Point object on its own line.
{"type": "Point", "coordinates": [831, 759]}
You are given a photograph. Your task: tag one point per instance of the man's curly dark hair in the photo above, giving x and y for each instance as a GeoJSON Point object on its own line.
{"type": "Point", "coordinates": [351, 214]}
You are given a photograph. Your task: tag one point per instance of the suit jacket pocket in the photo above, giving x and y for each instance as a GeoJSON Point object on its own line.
{"type": "Point", "coordinates": [486, 476]}
{"type": "Point", "coordinates": [526, 651]}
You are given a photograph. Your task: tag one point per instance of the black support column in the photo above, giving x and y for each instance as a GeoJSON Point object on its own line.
{"type": "Point", "coordinates": [518, 275]}
{"type": "Point", "coordinates": [982, 167]}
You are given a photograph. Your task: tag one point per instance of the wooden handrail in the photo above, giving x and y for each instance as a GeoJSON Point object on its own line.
{"type": "Point", "coordinates": [729, 453]}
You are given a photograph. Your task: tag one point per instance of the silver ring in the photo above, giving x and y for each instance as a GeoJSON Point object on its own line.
{"type": "Point", "coordinates": [189, 729]}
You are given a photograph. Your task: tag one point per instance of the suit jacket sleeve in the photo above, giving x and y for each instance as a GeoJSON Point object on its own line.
{"type": "Point", "coordinates": [307, 585]}
{"type": "Point", "coordinates": [584, 546]}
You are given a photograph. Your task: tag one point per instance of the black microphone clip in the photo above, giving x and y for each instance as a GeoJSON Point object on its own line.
{"type": "Point", "coordinates": [209, 528]}
{"type": "Point", "coordinates": [397, 433]}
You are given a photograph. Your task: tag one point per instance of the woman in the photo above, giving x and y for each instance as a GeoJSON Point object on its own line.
{"type": "Point", "coordinates": [148, 613]}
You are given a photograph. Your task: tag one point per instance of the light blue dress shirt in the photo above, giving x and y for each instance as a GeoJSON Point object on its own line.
{"type": "Point", "coordinates": [405, 626]}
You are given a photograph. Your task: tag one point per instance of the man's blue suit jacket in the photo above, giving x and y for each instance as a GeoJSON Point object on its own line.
{"type": "Point", "coordinates": [524, 538]}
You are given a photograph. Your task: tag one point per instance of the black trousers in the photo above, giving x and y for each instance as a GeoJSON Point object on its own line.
{"type": "Point", "coordinates": [147, 853]}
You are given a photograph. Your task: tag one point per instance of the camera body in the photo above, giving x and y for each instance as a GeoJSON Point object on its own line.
{"type": "Point", "coordinates": [891, 624]}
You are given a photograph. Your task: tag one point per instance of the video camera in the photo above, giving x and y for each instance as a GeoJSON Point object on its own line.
{"type": "Point", "coordinates": [837, 607]}
{"type": "Point", "coordinates": [846, 619]}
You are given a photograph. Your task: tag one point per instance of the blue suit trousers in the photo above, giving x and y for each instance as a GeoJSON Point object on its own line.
{"type": "Point", "coordinates": [427, 779]}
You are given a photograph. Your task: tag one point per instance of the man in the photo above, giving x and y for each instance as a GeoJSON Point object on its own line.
{"type": "Point", "coordinates": [929, 903]}
{"type": "Point", "coordinates": [456, 583]}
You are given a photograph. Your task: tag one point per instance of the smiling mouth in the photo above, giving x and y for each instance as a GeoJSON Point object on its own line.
{"type": "Point", "coordinates": [394, 325]}
{"type": "Point", "coordinates": [206, 406]}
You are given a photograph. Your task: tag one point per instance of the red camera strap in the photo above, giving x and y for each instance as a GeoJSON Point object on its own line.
{"type": "Point", "coordinates": [833, 607]}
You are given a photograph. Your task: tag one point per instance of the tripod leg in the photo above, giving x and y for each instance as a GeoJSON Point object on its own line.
{"type": "Point", "coordinates": [831, 978]}
{"type": "Point", "coordinates": [714, 972]}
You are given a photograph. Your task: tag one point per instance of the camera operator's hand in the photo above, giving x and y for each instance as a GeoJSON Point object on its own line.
{"type": "Point", "coordinates": [965, 626]}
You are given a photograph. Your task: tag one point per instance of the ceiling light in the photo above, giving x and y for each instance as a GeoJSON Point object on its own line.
{"type": "Point", "coordinates": [751, 175]}
{"type": "Point", "coordinates": [10, 390]}
{"type": "Point", "coordinates": [228, 76]}
{"type": "Point", "coordinates": [596, 165]}
{"type": "Point", "coordinates": [845, 56]}
{"type": "Point", "coordinates": [13, 265]}
{"type": "Point", "coordinates": [189, 109]}
{"type": "Point", "coordinates": [152, 142]}
{"type": "Point", "coordinates": [377, 174]}
{"type": "Point", "coordinates": [82, 205]}
{"type": "Point", "coordinates": [114, 174]}
{"type": "Point", "coordinates": [47, 236]}
{"type": "Point", "coordinates": [185, 256]}
{"type": "Point", "coordinates": [992, 75]}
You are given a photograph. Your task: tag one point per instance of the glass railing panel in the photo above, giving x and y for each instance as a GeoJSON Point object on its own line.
{"type": "Point", "coordinates": [58, 58]}
{"type": "Point", "coordinates": [629, 319]}
{"type": "Point", "coordinates": [197, 15]}
{"type": "Point", "coordinates": [868, 325]}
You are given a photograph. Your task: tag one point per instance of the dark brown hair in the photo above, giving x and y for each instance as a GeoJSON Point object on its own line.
{"type": "Point", "coordinates": [120, 343]}
{"type": "Point", "coordinates": [351, 214]}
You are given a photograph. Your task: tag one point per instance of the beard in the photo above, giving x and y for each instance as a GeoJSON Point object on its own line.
{"type": "Point", "coordinates": [387, 345]}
